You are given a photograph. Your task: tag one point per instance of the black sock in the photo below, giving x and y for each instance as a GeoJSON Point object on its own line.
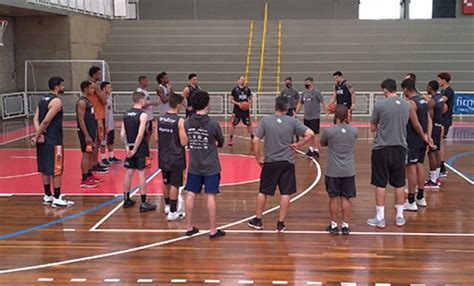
{"type": "Point", "coordinates": [143, 198]}
{"type": "Point", "coordinates": [420, 194]}
{"type": "Point", "coordinates": [411, 198]}
{"type": "Point", "coordinates": [173, 205]}
{"type": "Point", "coordinates": [231, 136]}
{"type": "Point", "coordinates": [443, 167]}
{"type": "Point", "coordinates": [252, 136]}
{"type": "Point", "coordinates": [57, 192]}
{"type": "Point", "coordinates": [85, 176]}
{"type": "Point", "coordinates": [126, 196]}
{"type": "Point", "coordinates": [167, 201]}
{"type": "Point", "coordinates": [47, 190]}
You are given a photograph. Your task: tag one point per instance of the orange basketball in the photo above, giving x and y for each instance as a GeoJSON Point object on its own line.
{"type": "Point", "coordinates": [445, 108]}
{"type": "Point", "coordinates": [245, 105]}
{"type": "Point", "coordinates": [332, 108]}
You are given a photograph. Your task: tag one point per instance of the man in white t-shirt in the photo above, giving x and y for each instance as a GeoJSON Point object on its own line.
{"type": "Point", "coordinates": [107, 144]}
{"type": "Point", "coordinates": [143, 83]}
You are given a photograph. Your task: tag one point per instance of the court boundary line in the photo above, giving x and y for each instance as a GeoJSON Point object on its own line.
{"type": "Point", "coordinates": [169, 241]}
{"type": "Point", "coordinates": [449, 164]}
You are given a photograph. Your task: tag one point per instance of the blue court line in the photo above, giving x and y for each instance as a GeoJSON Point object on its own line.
{"type": "Point", "coordinates": [451, 160]}
{"type": "Point", "coordinates": [69, 217]}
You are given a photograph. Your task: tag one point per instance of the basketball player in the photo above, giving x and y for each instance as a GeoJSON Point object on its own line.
{"type": "Point", "coordinates": [143, 83]}
{"type": "Point", "coordinates": [436, 114]}
{"type": "Point", "coordinates": [312, 99]}
{"type": "Point", "coordinates": [278, 162]}
{"type": "Point", "coordinates": [448, 98]}
{"type": "Point", "coordinates": [164, 91]}
{"type": "Point", "coordinates": [87, 133]}
{"type": "Point", "coordinates": [188, 93]}
{"type": "Point", "coordinates": [172, 155]}
{"type": "Point", "coordinates": [417, 140]}
{"type": "Point", "coordinates": [205, 136]}
{"type": "Point", "coordinates": [340, 170]}
{"type": "Point", "coordinates": [109, 141]}
{"type": "Point", "coordinates": [389, 120]}
{"type": "Point", "coordinates": [48, 122]}
{"type": "Point", "coordinates": [343, 93]}
{"type": "Point", "coordinates": [99, 101]}
{"type": "Point", "coordinates": [133, 134]}
{"type": "Point", "coordinates": [292, 94]}
{"type": "Point", "coordinates": [240, 93]}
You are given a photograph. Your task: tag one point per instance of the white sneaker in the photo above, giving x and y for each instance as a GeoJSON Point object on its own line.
{"type": "Point", "coordinates": [421, 203]}
{"type": "Point", "coordinates": [167, 209]}
{"type": "Point", "coordinates": [47, 200]}
{"type": "Point", "coordinates": [61, 202]}
{"type": "Point", "coordinates": [410, 207]}
{"type": "Point", "coordinates": [175, 216]}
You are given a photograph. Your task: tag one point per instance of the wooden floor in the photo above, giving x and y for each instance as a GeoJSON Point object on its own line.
{"type": "Point", "coordinates": [435, 247]}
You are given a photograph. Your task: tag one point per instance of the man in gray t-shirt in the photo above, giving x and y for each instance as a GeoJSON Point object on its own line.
{"type": "Point", "coordinates": [292, 94]}
{"type": "Point", "coordinates": [278, 163]}
{"type": "Point", "coordinates": [311, 100]}
{"type": "Point", "coordinates": [340, 171]}
{"type": "Point", "coordinates": [143, 82]}
{"type": "Point", "coordinates": [389, 119]}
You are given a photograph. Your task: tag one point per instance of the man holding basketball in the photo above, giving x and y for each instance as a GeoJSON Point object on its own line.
{"type": "Point", "coordinates": [241, 98]}
{"type": "Point", "coordinates": [343, 93]}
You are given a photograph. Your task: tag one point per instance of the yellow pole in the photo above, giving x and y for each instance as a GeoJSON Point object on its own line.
{"type": "Point", "coordinates": [278, 59]}
{"type": "Point", "coordinates": [249, 52]}
{"type": "Point", "coordinates": [262, 51]}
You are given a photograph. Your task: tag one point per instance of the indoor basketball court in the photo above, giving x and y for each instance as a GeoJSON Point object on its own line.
{"type": "Point", "coordinates": [99, 241]}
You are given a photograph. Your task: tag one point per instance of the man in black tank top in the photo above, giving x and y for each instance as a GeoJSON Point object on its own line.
{"type": "Point", "coordinates": [48, 122]}
{"type": "Point", "coordinates": [189, 92]}
{"type": "Point", "coordinates": [417, 140]}
{"type": "Point", "coordinates": [343, 93]}
{"type": "Point", "coordinates": [172, 156]}
{"type": "Point", "coordinates": [133, 134]}
{"type": "Point", "coordinates": [87, 133]}
{"type": "Point", "coordinates": [436, 115]}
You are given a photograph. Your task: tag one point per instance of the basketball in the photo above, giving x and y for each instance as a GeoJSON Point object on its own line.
{"type": "Point", "coordinates": [332, 108]}
{"type": "Point", "coordinates": [245, 105]}
{"type": "Point", "coordinates": [445, 108]}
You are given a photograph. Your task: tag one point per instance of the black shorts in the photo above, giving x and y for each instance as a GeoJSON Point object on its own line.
{"type": "Point", "coordinates": [135, 163]}
{"type": "Point", "coordinates": [436, 136]}
{"type": "Point", "coordinates": [416, 154]}
{"type": "Point", "coordinates": [388, 165]}
{"type": "Point", "coordinates": [50, 159]}
{"type": "Point", "coordinates": [341, 187]}
{"type": "Point", "coordinates": [313, 125]}
{"type": "Point", "coordinates": [82, 141]}
{"type": "Point", "coordinates": [173, 178]}
{"type": "Point", "coordinates": [291, 111]}
{"type": "Point", "coordinates": [281, 174]}
{"type": "Point", "coordinates": [111, 137]}
{"type": "Point", "coordinates": [238, 116]}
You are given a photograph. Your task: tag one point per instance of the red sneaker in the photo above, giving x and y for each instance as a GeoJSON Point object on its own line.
{"type": "Point", "coordinates": [88, 184]}
{"type": "Point", "coordinates": [95, 179]}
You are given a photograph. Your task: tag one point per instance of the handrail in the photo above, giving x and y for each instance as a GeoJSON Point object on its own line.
{"type": "Point", "coordinates": [262, 51]}
{"type": "Point", "coordinates": [249, 51]}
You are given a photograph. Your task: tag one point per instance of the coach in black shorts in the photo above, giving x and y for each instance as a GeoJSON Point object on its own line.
{"type": "Point", "coordinates": [389, 119]}
{"type": "Point", "coordinates": [278, 163]}
{"type": "Point", "coordinates": [241, 93]}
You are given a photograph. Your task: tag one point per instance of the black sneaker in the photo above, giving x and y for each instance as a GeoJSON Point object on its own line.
{"type": "Point", "coordinates": [102, 166]}
{"type": "Point", "coordinates": [332, 230]}
{"type": "Point", "coordinates": [255, 223]}
{"type": "Point", "coordinates": [219, 233]}
{"type": "Point", "coordinates": [443, 174]}
{"type": "Point", "coordinates": [192, 231]}
{"type": "Point", "coordinates": [147, 206]}
{"type": "Point", "coordinates": [309, 154]}
{"type": "Point", "coordinates": [105, 163]}
{"type": "Point", "coordinates": [128, 203]}
{"type": "Point", "coordinates": [346, 230]}
{"type": "Point", "coordinates": [280, 227]}
{"type": "Point", "coordinates": [114, 160]}
{"type": "Point", "coordinates": [99, 170]}
{"type": "Point", "coordinates": [316, 154]}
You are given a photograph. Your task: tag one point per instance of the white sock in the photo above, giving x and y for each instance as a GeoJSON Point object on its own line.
{"type": "Point", "coordinates": [333, 224]}
{"type": "Point", "coordinates": [433, 176]}
{"type": "Point", "coordinates": [345, 224]}
{"type": "Point", "coordinates": [111, 154]}
{"type": "Point", "coordinates": [399, 210]}
{"type": "Point", "coordinates": [311, 148]}
{"type": "Point", "coordinates": [438, 170]}
{"type": "Point", "coordinates": [380, 212]}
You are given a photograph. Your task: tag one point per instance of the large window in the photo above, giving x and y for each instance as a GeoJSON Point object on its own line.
{"type": "Point", "coordinates": [390, 9]}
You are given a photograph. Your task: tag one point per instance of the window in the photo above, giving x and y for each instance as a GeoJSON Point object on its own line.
{"type": "Point", "coordinates": [390, 9]}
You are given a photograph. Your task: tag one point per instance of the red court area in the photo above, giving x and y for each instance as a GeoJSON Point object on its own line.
{"type": "Point", "coordinates": [18, 173]}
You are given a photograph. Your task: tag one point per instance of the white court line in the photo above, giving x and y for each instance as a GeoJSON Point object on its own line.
{"type": "Point", "coordinates": [69, 229]}
{"type": "Point", "coordinates": [6, 195]}
{"type": "Point", "coordinates": [45, 279]}
{"type": "Point", "coordinates": [19, 176]}
{"type": "Point", "coordinates": [145, 281]}
{"type": "Point", "coordinates": [212, 281]}
{"type": "Point", "coordinates": [16, 139]}
{"type": "Point", "coordinates": [313, 283]}
{"type": "Point", "coordinates": [277, 282]}
{"type": "Point", "coordinates": [382, 284]}
{"type": "Point", "coordinates": [112, 280]}
{"type": "Point", "coordinates": [23, 157]}
{"type": "Point", "coordinates": [181, 281]}
{"type": "Point", "coordinates": [109, 214]}
{"type": "Point", "coordinates": [164, 242]}
{"type": "Point", "coordinates": [245, 282]}
{"type": "Point", "coordinates": [348, 284]}
{"type": "Point", "coordinates": [460, 174]}
{"type": "Point", "coordinates": [78, 279]}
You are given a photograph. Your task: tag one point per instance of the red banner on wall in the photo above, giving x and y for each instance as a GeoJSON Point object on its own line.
{"type": "Point", "coordinates": [468, 7]}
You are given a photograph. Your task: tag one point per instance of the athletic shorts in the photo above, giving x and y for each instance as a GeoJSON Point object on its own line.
{"type": "Point", "coordinates": [135, 163]}
{"type": "Point", "coordinates": [194, 183]}
{"type": "Point", "coordinates": [82, 141]}
{"type": "Point", "coordinates": [50, 159]}
{"type": "Point", "coordinates": [313, 125]}
{"type": "Point", "coordinates": [341, 187]}
{"type": "Point", "coordinates": [291, 111]}
{"type": "Point", "coordinates": [281, 174]}
{"type": "Point", "coordinates": [111, 137]}
{"type": "Point", "coordinates": [416, 154]}
{"type": "Point", "coordinates": [388, 165]}
{"type": "Point", "coordinates": [173, 178]}
{"type": "Point", "coordinates": [241, 116]}
{"type": "Point", "coordinates": [436, 136]}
